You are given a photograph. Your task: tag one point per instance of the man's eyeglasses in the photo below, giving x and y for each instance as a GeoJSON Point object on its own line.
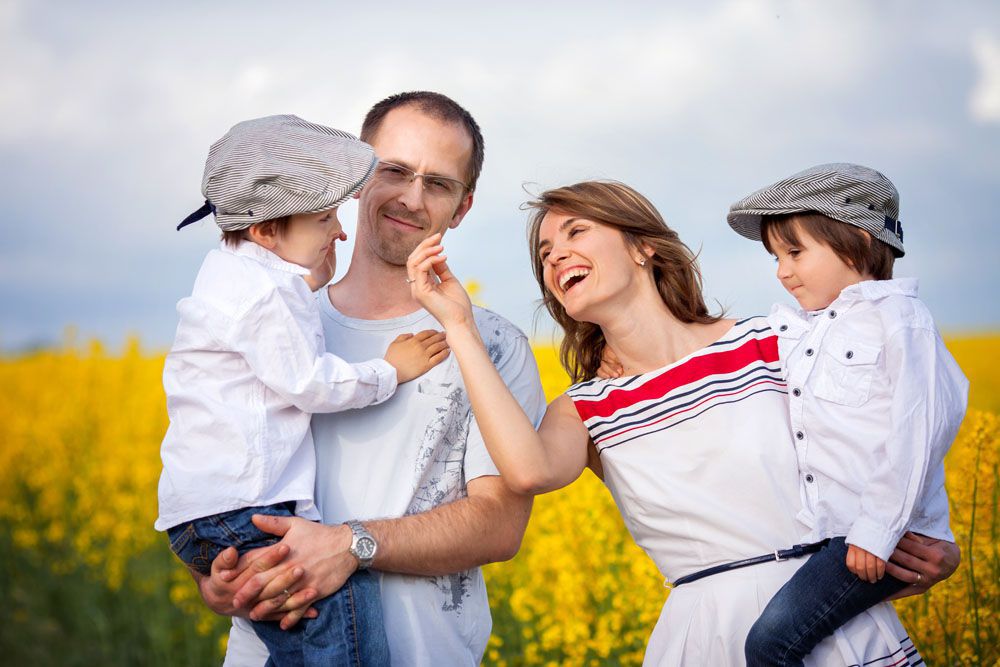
{"type": "Point", "coordinates": [437, 187]}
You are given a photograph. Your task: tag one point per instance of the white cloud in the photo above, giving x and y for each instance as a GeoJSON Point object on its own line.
{"type": "Point", "coordinates": [984, 102]}
{"type": "Point", "coordinates": [113, 107]}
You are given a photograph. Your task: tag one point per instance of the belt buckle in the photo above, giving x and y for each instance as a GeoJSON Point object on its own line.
{"type": "Point", "coordinates": [777, 556]}
{"type": "Point", "coordinates": [668, 585]}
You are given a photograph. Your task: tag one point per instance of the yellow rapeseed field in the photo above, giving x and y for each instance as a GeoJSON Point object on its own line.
{"type": "Point", "coordinates": [86, 579]}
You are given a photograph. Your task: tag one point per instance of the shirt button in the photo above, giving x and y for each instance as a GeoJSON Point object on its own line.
{"type": "Point", "coordinates": [833, 314]}
{"type": "Point", "coordinates": [809, 352]}
{"type": "Point", "coordinates": [796, 392]}
{"type": "Point", "coordinates": [849, 355]}
{"type": "Point", "coordinates": [809, 478]}
{"type": "Point", "coordinates": [799, 435]}
{"type": "Point", "coordinates": [783, 327]}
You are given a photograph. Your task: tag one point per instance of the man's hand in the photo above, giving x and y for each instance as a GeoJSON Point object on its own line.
{"type": "Point", "coordinates": [866, 565]}
{"type": "Point", "coordinates": [318, 554]}
{"type": "Point", "coordinates": [230, 573]}
{"type": "Point", "coordinates": [922, 562]}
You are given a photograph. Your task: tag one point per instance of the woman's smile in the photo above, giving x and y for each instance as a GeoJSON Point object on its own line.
{"type": "Point", "coordinates": [571, 277]}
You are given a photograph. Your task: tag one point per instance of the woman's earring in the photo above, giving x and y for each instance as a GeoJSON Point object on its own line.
{"type": "Point", "coordinates": [642, 262]}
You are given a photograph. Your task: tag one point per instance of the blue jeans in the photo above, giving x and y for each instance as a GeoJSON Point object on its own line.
{"type": "Point", "coordinates": [348, 630]}
{"type": "Point", "coordinates": [819, 598]}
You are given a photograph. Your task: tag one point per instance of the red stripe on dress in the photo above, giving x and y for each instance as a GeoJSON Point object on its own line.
{"type": "Point", "coordinates": [693, 370]}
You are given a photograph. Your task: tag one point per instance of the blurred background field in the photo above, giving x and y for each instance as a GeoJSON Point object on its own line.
{"type": "Point", "coordinates": [85, 580]}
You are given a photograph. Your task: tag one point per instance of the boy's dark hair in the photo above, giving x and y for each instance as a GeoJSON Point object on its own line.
{"type": "Point", "coordinates": [437, 106]}
{"type": "Point", "coordinates": [853, 245]}
{"type": "Point", "coordinates": [233, 238]}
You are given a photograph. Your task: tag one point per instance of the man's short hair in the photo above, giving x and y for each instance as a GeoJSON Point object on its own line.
{"type": "Point", "coordinates": [437, 106]}
{"type": "Point", "coordinates": [853, 245]}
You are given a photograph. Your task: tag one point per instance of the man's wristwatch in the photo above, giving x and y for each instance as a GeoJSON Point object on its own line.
{"type": "Point", "coordinates": [363, 544]}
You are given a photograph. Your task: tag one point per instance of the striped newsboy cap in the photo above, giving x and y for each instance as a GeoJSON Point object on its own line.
{"type": "Point", "coordinates": [275, 166]}
{"type": "Point", "coordinates": [846, 192]}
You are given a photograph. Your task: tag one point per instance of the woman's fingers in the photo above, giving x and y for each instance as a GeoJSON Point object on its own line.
{"type": "Point", "coordinates": [903, 569]}
{"type": "Point", "coordinates": [425, 248]}
{"type": "Point", "coordinates": [441, 268]}
{"type": "Point", "coordinates": [428, 266]}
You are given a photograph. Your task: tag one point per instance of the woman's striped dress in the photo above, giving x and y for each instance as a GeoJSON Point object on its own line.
{"type": "Point", "coordinates": [700, 461]}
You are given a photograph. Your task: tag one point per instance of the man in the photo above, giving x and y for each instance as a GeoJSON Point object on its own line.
{"type": "Point", "coordinates": [419, 456]}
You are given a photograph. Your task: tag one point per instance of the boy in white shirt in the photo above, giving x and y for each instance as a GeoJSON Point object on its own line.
{"type": "Point", "coordinates": [248, 368]}
{"type": "Point", "coordinates": [875, 399]}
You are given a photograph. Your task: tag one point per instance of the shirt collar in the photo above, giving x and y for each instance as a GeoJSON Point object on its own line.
{"type": "Point", "coordinates": [263, 256]}
{"type": "Point", "coordinates": [868, 290]}
{"type": "Point", "coordinates": [873, 290]}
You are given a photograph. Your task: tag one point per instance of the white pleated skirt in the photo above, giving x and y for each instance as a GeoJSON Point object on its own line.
{"type": "Point", "coordinates": [706, 623]}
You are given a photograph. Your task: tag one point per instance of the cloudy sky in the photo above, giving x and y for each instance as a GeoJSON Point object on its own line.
{"type": "Point", "coordinates": [107, 111]}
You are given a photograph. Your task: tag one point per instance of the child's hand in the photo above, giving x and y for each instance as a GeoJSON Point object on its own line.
{"type": "Point", "coordinates": [867, 566]}
{"type": "Point", "coordinates": [610, 366]}
{"type": "Point", "coordinates": [414, 354]}
{"type": "Point", "coordinates": [322, 273]}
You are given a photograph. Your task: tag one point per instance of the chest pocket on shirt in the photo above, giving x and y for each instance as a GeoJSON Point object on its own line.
{"type": "Point", "coordinates": [845, 370]}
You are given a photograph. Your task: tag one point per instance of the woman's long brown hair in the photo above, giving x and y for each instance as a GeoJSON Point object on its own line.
{"type": "Point", "coordinates": [674, 266]}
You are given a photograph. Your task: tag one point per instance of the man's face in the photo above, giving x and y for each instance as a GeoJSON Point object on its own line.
{"type": "Point", "coordinates": [394, 217]}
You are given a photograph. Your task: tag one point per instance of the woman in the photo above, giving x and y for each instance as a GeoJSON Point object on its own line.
{"type": "Point", "coordinates": [692, 442]}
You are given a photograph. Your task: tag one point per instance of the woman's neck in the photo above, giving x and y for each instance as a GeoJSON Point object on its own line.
{"type": "Point", "coordinates": [648, 336]}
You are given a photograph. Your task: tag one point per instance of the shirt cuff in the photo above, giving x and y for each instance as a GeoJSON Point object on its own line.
{"type": "Point", "coordinates": [932, 529]}
{"type": "Point", "coordinates": [872, 537]}
{"type": "Point", "coordinates": [385, 377]}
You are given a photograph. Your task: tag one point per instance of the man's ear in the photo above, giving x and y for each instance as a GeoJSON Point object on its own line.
{"type": "Point", "coordinates": [460, 212]}
{"type": "Point", "coordinates": [264, 234]}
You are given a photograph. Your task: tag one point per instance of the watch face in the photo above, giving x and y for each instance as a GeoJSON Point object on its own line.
{"type": "Point", "coordinates": [366, 547]}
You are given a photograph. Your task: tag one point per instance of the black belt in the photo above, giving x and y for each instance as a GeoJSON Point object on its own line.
{"type": "Point", "coordinates": [798, 551]}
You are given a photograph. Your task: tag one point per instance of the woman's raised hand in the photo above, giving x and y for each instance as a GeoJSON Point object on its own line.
{"type": "Point", "coordinates": [434, 285]}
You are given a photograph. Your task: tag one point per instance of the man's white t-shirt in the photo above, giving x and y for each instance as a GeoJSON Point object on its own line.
{"type": "Point", "coordinates": [409, 454]}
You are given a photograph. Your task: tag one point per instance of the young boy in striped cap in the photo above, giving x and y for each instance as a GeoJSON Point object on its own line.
{"type": "Point", "coordinates": [875, 398]}
{"type": "Point", "coordinates": [248, 368]}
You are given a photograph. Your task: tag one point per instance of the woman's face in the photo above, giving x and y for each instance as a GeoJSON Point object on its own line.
{"type": "Point", "coordinates": [584, 262]}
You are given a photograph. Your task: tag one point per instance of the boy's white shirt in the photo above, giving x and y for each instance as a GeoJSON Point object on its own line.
{"type": "Point", "coordinates": [875, 401]}
{"type": "Point", "coordinates": [247, 369]}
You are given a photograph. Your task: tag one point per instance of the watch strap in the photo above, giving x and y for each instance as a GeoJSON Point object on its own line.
{"type": "Point", "coordinates": [358, 534]}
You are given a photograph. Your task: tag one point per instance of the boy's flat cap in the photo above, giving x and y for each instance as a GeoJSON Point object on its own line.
{"type": "Point", "coordinates": [275, 166]}
{"type": "Point", "coordinates": [849, 193]}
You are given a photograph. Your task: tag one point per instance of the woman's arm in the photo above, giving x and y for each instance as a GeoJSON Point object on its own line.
{"type": "Point", "coordinates": [529, 461]}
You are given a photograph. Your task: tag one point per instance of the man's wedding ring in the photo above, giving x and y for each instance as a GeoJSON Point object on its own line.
{"type": "Point", "coordinates": [287, 593]}
{"type": "Point", "coordinates": [919, 577]}
{"type": "Point", "coordinates": [410, 281]}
